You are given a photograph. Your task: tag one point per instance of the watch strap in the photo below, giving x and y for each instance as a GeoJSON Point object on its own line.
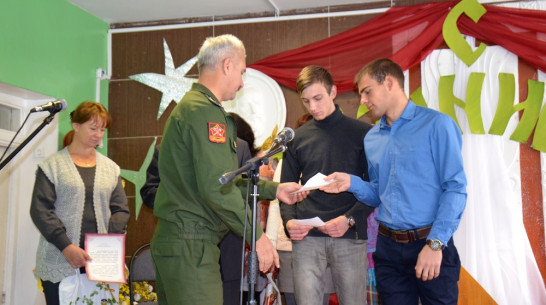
{"type": "Point", "coordinates": [435, 244]}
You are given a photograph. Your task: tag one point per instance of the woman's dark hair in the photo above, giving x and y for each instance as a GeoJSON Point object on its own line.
{"type": "Point", "coordinates": [244, 131]}
{"type": "Point", "coordinates": [304, 118]}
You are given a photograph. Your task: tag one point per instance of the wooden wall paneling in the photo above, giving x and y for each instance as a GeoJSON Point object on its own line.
{"type": "Point", "coordinates": [294, 106]}
{"type": "Point", "coordinates": [349, 103]}
{"type": "Point", "coordinates": [129, 189]}
{"type": "Point", "coordinates": [185, 43]}
{"type": "Point", "coordinates": [343, 23]}
{"type": "Point", "coordinates": [290, 12]}
{"type": "Point", "coordinates": [141, 52]}
{"type": "Point", "coordinates": [134, 108]}
{"type": "Point", "coordinates": [141, 230]}
{"type": "Point", "coordinates": [129, 153]}
{"type": "Point", "coordinates": [268, 38]}
{"type": "Point", "coordinates": [134, 53]}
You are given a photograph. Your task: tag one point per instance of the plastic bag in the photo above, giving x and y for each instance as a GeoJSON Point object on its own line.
{"type": "Point", "coordinates": [77, 289]}
{"type": "Point", "coordinates": [271, 294]}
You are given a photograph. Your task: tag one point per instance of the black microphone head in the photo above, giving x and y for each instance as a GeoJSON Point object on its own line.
{"type": "Point", "coordinates": [286, 135]}
{"type": "Point", "coordinates": [53, 106]}
{"type": "Point", "coordinates": [289, 134]}
{"type": "Point", "coordinates": [60, 104]}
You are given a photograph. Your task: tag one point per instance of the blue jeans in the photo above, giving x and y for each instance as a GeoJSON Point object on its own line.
{"type": "Point", "coordinates": [396, 280]}
{"type": "Point", "coordinates": [347, 261]}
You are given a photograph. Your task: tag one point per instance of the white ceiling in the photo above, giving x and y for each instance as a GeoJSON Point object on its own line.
{"type": "Point", "coordinates": [132, 11]}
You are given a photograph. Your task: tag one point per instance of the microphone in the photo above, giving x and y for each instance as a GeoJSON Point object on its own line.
{"type": "Point", "coordinates": [286, 135]}
{"type": "Point", "coordinates": [57, 105]}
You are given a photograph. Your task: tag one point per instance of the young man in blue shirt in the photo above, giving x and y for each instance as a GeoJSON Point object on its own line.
{"type": "Point", "coordinates": [418, 182]}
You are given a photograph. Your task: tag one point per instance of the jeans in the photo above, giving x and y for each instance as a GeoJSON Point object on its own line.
{"type": "Point", "coordinates": [348, 263]}
{"type": "Point", "coordinates": [396, 280]}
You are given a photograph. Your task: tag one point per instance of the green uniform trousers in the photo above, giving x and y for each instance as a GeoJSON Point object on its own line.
{"type": "Point", "coordinates": [187, 268]}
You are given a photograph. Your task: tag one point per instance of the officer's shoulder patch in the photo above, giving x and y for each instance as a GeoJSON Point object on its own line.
{"type": "Point", "coordinates": [217, 132]}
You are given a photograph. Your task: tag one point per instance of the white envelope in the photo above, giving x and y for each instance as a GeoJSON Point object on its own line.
{"type": "Point", "coordinates": [317, 181]}
{"type": "Point", "coordinates": [315, 222]}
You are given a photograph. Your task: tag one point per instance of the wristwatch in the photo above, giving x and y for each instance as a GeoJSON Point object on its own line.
{"type": "Point", "coordinates": [350, 221]}
{"type": "Point", "coordinates": [435, 244]}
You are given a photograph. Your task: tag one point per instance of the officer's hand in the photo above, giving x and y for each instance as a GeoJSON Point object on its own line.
{"type": "Point", "coordinates": [285, 192]}
{"type": "Point", "coordinates": [76, 256]}
{"type": "Point", "coordinates": [341, 183]}
{"type": "Point", "coordinates": [297, 232]}
{"type": "Point", "coordinates": [268, 258]}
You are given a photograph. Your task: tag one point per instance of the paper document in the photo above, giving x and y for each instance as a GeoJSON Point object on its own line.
{"type": "Point", "coordinates": [315, 182]}
{"type": "Point", "coordinates": [107, 252]}
{"type": "Point", "coordinates": [315, 222]}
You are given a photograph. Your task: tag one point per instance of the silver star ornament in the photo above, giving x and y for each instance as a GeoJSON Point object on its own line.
{"type": "Point", "coordinates": [174, 83]}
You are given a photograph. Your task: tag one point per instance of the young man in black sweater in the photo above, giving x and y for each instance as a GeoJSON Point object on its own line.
{"type": "Point", "coordinates": [330, 142]}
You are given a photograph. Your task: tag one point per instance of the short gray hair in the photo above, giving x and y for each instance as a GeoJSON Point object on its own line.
{"type": "Point", "coordinates": [214, 49]}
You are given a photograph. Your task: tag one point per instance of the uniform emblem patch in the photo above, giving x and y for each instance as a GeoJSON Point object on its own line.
{"type": "Point", "coordinates": [217, 132]}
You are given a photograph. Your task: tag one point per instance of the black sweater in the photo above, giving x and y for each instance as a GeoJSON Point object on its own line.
{"type": "Point", "coordinates": [335, 144]}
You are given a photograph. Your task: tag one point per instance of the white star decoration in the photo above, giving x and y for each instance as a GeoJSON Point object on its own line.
{"type": "Point", "coordinates": [173, 84]}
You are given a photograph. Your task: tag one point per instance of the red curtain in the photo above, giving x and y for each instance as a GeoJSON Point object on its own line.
{"type": "Point", "coordinates": [407, 35]}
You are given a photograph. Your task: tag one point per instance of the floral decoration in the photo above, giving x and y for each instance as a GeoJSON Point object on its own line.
{"type": "Point", "coordinates": [142, 292]}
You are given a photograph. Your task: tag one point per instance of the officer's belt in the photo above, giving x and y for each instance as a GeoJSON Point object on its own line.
{"type": "Point", "coordinates": [193, 232]}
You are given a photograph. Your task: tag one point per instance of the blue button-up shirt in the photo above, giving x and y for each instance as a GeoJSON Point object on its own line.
{"type": "Point", "coordinates": [416, 172]}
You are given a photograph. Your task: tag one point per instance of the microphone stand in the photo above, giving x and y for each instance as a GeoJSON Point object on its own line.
{"type": "Point", "coordinates": [252, 166]}
{"type": "Point", "coordinates": [46, 121]}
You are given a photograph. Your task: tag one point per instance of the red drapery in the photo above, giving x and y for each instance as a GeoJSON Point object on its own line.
{"type": "Point", "coordinates": [407, 35]}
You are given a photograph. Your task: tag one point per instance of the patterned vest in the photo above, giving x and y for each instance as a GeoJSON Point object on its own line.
{"type": "Point", "coordinates": [51, 265]}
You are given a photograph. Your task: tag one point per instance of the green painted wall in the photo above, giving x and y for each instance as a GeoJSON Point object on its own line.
{"type": "Point", "coordinates": [54, 48]}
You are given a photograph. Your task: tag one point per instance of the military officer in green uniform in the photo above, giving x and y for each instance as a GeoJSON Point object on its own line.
{"type": "Point", "coordinates": [194, 210]}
